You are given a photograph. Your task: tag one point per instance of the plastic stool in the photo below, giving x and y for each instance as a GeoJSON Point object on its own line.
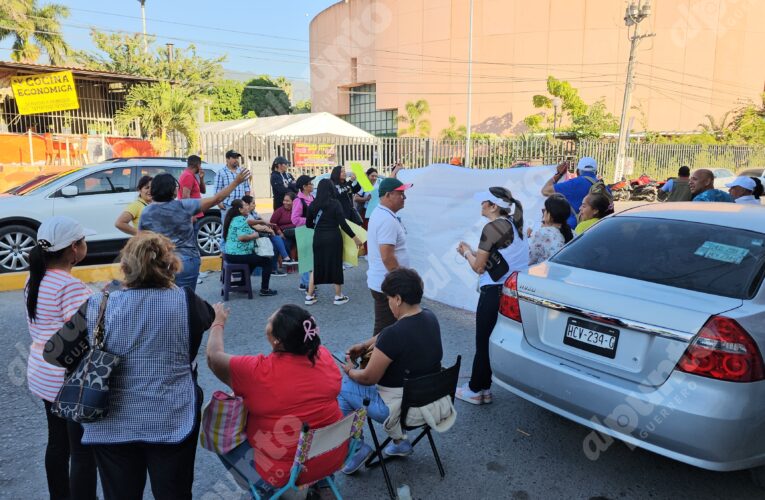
{"type": "Point", "coordinates": [232, 284]}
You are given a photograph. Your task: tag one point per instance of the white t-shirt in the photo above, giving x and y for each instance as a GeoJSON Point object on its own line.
{"type": "Point", "coordinates": [385, 228]}
{"type": "Point", "coordinates": [748, 200]}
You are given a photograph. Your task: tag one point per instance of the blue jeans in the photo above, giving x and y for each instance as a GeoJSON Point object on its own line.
{"type": "Point", "coordinates": [352, 395]}
{"type": "Point", "coordinates": [189, 273]}
{"type": "Point", "coordinates": [305, 279]}
{"type": "Point", "coordinates": [279, 249]}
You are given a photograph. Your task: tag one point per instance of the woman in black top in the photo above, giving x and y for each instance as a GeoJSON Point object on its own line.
{"type": "Point", "coordinates": [325, 216]}
{"type": "Point", "coordinates": [282, 181]}
{"type": "Point", "coordinates": [345, 190]}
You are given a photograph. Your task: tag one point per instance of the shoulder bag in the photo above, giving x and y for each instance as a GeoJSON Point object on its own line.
{"type": "Point", "coordinates": [84, 397]}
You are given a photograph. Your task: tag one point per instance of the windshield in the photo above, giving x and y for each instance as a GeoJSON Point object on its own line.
{"type": "Point", "coordinates": [702, 257]}
{"type": "Point", "coordinates": [37, 182]}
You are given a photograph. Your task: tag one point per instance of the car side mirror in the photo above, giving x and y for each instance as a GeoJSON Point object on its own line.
{"type": "Point", "coordinates": [69, 191]}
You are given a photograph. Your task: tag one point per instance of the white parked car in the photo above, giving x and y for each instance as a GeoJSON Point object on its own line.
{"type": "Point", "coordinates": [723, 176]}
{"type": "Point", "coordinates": [94, 195]}
{"type": "Point", "coordinates": [650, 329]}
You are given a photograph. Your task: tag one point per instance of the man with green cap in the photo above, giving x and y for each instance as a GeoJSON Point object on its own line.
{"type": "Point", "coordinates": [386, 242]}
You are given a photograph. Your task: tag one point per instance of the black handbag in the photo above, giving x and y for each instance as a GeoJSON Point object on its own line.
{"type": "Point", "coordinates": [84, 397]}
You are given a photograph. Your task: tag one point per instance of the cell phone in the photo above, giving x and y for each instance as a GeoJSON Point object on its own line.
{"type": "Point", "coordinates": [340, 358]}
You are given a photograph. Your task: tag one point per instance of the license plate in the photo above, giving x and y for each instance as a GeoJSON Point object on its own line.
{"type": "Point", "coordinates": [591, 337]}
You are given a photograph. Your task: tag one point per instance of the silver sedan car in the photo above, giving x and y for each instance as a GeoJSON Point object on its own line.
{"type": "Point", "coordinates": [648, 329]}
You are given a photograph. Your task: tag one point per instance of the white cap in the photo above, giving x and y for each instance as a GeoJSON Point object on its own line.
{"type": "Point", "coordinates": [487, 196]}
{"type": "Point", "coordinates": [744, 182]}
{"type": "Point", "coordinates": [587, 164]}
{"type": "Point", "coordinates": [59, 232]}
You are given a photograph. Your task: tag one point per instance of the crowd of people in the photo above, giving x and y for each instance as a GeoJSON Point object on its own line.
{"type": "Point", "coordinates": [155, 321]}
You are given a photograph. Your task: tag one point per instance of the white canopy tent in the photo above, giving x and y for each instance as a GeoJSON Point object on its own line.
{"type": "Point", "coordinates": [301, 125]}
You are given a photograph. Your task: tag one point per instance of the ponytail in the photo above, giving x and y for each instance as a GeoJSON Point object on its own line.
{"type": "Point", "coordinates": [517, 216]}
{"type": "Point", "coordinates": [38, 266]}
{"type": "Point", "coordinates": [566, 231]}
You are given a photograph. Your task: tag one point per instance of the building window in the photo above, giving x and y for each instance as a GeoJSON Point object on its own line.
{"type": "Point", "coordinates": [365, 115]}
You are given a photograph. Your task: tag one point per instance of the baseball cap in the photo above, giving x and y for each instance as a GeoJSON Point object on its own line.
{"type": "Point", "coordinates": [59, 232]}
{"type": "Point", "coordinates": [392, 184]}
{"type": "Point", "coordinates": [303, 180]}
{"type": "Point", "coordinates": [232, 154]}
{"type": "Point", "coordinates": [744, 182]}
{"type": "Point", "coordinates": [280, 160]}
{"type": "Point", "coordinates": [482, 196]}
{"type": "Point", "coordinates": [587, 164]}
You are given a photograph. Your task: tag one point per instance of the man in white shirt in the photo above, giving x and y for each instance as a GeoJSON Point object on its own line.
{"type": "Point", "coordinates": [742, 191]}
{"type": "Point", "coordinates": [386, 242]}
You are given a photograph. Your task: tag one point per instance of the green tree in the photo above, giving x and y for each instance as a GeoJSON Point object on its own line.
{"type": "Point", "coordinates": [225, 101]}
{"type": "Point", "coordinates": [721, 130]}
{"type": "Point", "coordinates": [571, 104]}
{"type": "Point", "coordinates": [453, 131]}
{"type": "Point", "coordinates": [264, 97]}
{"type": "Point", "coordinates": [285, 85]}
{"type": "Point", "coordinates": [594, 122]}
{"type": "Point", "coordinates": [124, 53]}
{"type": "Point", "coordinates": [161, 108]}
{"type": "Point", "coordinates": [34, 29]}
{"type": "Point", "coordinates": [303, 106]}
{"type": "Point", "coordinates": [414, 122]}
{"type": "Point", "coordinates": [749, 124]}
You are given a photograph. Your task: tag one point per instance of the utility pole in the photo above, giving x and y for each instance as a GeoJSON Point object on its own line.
{"type": "Point", "coordinates": [143, 21]}
{"type": "Point", "coordinates": [637, 11]}
{"type": "Point", "coordinates": [470, 89]}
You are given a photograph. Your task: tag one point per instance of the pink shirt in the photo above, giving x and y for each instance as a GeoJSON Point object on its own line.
{"type": "Point", "coordinates": [298, 217]}
{"type": "Point", "coordinates": [61, 294]}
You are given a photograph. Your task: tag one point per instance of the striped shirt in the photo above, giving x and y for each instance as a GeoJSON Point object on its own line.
{"type": "Point", "coordinates": [61, 294]}
{"type": "Point", "coordinates": [223, 178]}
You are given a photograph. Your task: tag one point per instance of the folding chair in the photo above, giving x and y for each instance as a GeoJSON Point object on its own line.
{"type": "Point", "coordinates": [315, 442]}
{"type": "Point", "coordinates": [420, 391]}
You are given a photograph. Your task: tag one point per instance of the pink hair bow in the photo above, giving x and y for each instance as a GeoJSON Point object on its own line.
{"type": "Point", "coordinates": [310, 330]}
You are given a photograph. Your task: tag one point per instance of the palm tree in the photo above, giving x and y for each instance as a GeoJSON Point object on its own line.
{"type": "Point", "coordinates": [453, 132]}
{"type": "Point", "coordinates": [161, 109]}
{"type": "Point", "coordinates": [34, 30]}
{"type": "Point", "coordinates": [414, 121]}
{"type": "Point", "coordinates": [718, 129]}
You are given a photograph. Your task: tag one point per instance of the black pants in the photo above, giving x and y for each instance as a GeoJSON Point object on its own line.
{"type": "Point", "coordinates": [254, 261]}
{"type": "Point", "coordinates": [485, 319]}
{"type": "Point", "coordinates": [123, 469]}
{"type": "Point", "coordinates": [383, 315]}
{"type": "Point", "coordinates": [69, 466]}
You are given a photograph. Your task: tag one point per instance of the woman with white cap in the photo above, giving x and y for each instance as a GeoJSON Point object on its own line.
{"type": "Point", "coordinates": [52, 297]}
{"type": "Point", "coordinates": [742, 190]}
{"type": "Point", "coordinates": [501, 251]}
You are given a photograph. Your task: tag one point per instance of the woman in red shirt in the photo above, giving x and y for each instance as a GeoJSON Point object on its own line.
{"type": "Point", "coordinates": [298, 382]}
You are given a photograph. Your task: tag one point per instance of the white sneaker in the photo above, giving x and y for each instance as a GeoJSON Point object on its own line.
{"type": "Point", "coordinates": [465, 394]}
{"type": "Point", "coordinates": [310, 300]}
{"type": "Point", "coordinates": [342, 299]}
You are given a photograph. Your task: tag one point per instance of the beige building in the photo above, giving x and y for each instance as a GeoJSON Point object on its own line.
{"type": "Point", "coordinates": [370, 57]}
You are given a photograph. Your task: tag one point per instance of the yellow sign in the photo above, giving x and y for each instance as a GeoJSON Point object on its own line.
{"type": "Point", "coordinates": [361, 176]}
{"type": "Point", "coordinates": [45, 93]}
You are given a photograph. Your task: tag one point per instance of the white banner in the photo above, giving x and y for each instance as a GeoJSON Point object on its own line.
{"type": "Point", "coordinates": [440, 212]}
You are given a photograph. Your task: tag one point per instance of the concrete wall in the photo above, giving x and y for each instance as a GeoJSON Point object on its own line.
{"type": "Point", "coordinates": [705, 58]}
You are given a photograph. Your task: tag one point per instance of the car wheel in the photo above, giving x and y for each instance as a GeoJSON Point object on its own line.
{"type": "Point", "coordinates": [758, 476]}
{"type": "Point", "coordinates": [210, 233]}
{"type": "Point", "coordinates": [15, 244]}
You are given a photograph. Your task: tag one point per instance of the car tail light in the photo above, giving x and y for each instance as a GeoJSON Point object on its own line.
{"type": "Point", "coordinates": [723, 350]}
{"type": "Point", "coordinates": [508, 303]}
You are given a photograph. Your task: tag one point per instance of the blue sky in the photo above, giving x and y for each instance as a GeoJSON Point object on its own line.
{"type": "Point", "coordinates": [258, 36]}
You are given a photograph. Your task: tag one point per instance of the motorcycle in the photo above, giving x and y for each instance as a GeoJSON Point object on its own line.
{"type": "Point", "coordinates": [644, 189]}
{"type": "Point", "coordinates": [620, 190]}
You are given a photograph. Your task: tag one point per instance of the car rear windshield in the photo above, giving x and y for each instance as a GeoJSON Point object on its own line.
{"type": "Point", "coordinates": [701, 257]}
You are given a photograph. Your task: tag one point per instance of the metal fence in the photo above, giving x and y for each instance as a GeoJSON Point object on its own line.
{"type": "Point", "coordinates": [657, 160]}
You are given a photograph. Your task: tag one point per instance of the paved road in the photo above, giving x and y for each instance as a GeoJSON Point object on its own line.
{"type": "Point", "coordinates": [510, 449]}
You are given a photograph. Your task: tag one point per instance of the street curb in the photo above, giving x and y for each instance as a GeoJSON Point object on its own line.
{"type": "Point", "coordinates": [91, 274]}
